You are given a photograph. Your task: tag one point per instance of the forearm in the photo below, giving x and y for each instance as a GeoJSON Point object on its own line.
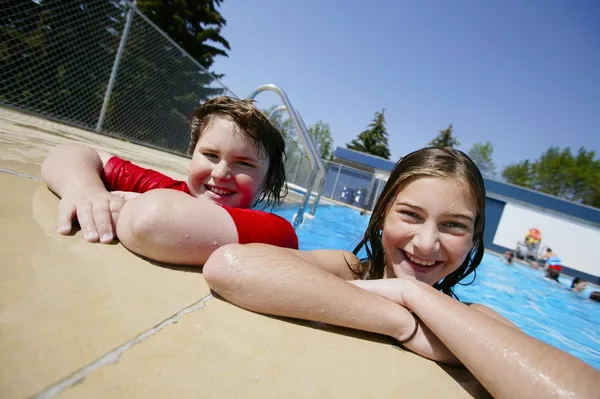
{"type": "Point", "coordinates": [72, 167]}
{"type": "Point", "coordinates": [506, 361]}
{"type": "Point", "coordinates": [274, 281]}
{"type": "Point", "coordinates": [173, 227]}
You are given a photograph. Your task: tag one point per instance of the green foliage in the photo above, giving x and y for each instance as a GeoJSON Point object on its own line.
{"type": "Point", "coordinates": [282, 122]}
{"type": "Point", "coordinates": [319, 131]}
{"type": "Point", "coordinates": [194, 25]}
{"type": "Point", "coordinates": [374, 139]}
{"type": "Point", "coordinates": [56, 58]}
{"type": "Point", "coordinates": [560, 173]}
{"type": "Point", "coordinates": [481, 154]}
{"type": "Point", "coordinates": [519, 174]}
{"type": "Point", "coordinates": [445, 138]}
{"type": "Point", "coordinates": [46, 65]}
{"type": "Point", "coordinates": [321, 135]}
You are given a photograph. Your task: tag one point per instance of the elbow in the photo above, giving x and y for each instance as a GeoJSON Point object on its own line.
{"type": "Point", "coordinates": [221, 270]}
{"type": "Point", "coordinates": [134, 226]}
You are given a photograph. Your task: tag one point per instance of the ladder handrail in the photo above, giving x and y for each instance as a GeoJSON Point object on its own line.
{"type": "Point", "coordinates": [319, 181]}
{"type": "Point", "coordinates": [309, 146]}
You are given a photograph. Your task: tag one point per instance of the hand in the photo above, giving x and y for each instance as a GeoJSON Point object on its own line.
{"type": "Point", "coordinates": [126, 195]}
{"type": "Point", "coordinates": [97, 212]}
{"type": "Point", "coordinates": [394, 289]}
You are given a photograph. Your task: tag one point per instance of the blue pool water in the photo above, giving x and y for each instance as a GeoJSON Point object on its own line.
{"type": "Point", "coordinates": [542, 308]}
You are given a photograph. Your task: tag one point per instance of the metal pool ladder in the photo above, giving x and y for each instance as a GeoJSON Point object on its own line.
{"type": "Point", "coordinates": [318, 173]}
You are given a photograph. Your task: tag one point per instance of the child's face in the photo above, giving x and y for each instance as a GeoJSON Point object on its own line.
{"type": "Point", "coordinates": [226, 166]}
{"type": "Point", "coordinates": [580, 286]}
{"type": "Point", "coordinates": [428, 231]}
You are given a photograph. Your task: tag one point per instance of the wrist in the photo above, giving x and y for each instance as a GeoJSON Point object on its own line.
{"type": "Point", "coordinates": [412, 294]}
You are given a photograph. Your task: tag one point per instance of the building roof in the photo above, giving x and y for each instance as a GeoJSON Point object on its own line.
{"type": "Point", "coordinates": [367, 160]}
{"type": "Point", "coordinates": [494, 189]}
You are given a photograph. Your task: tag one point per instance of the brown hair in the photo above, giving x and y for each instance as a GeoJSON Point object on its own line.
{"type": "Point", "coordinates": [428, 162]}
{"type": "Point", "coordinates": [254, 123]}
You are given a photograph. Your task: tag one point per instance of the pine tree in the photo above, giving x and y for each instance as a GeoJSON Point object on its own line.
{"type": "Point", "coordinates": [481, 154]}
{"type": "Point", "coordinates": [445, 139]}
{"type": "Point", "coordinates": [373, 140]}
{"type": "Point", "coordinates": [195, 26]}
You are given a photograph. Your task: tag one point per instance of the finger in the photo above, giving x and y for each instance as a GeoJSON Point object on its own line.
{"type": "Point", "coordinates": [66, 213]}
{"type": "Point", "coordinates": [115, 210]}
{"type": "Point", "coordinates": [103, 221]}
{"type": "Point", "coordinates": [85, 216]}
{"type": "Point", "coordinates": [118, 193]}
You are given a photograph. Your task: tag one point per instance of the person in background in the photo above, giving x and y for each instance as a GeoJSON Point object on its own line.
{"type": "Point", "coordinates": [578, 284]}
{"type": "Point", "coordinates": [552, 274]}
{"type": "Point", "coordinates": [508, 257]}
{"type": "Point", "coordinates": [532, 242]}
{"type": "Point", "coordinates": [550, 260]}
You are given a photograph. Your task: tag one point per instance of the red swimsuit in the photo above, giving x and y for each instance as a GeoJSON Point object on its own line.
{"type": "Point", "coordinates": [253, 226]}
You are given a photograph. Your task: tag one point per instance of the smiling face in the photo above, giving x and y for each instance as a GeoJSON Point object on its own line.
{"type": "Point", "coordinates": [428, 230]}
{"type": "Point", "coordinates": [226, 166]}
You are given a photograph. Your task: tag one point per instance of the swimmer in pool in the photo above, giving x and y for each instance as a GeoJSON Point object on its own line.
{"type": "Point", "coordinates": [578, 284]}
{"type": "Point", "coordinates": [425, 235]}
{"type": "Point", "coordinates": [508, 257]}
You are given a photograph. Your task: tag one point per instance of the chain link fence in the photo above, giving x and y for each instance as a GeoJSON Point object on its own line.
{"type": "Point", "coordinates": [103, 66]}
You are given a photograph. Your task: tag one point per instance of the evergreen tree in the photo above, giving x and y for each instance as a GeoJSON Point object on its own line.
{"type": "Point", "coordinates": [481, 154]}
{"type": "Point", "coordinates": [321, 135]}
{"type": "Point", "coordinates": [194, 25]}
{"type": "Point", "coordinates": [445, 139]}
{"type": "Point", "coordinates": [374, 139]}
{"type": "Point", "coordinates": [559, 173]}
{"type": "Point", "coordinates": [519, 174]}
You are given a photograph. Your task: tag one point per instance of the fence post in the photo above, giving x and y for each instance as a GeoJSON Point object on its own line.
{"type": "Point", "coordinates": [337, 176]}
{"type": "Point", "coordinates": [115, 68]}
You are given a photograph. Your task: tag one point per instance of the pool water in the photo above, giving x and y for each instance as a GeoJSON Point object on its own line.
{"type": "Point", "coordinates": [542, 308]}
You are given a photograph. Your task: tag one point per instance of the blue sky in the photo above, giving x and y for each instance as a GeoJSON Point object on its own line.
{"type": "Point", "coordinates": [524, 75]}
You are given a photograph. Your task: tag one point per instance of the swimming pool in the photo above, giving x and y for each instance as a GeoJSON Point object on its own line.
{"type": "Point", "coordinates": [542, 308]}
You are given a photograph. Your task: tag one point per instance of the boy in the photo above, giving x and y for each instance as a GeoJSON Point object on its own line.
{"type": "Point", "coordinates": [237, 161]}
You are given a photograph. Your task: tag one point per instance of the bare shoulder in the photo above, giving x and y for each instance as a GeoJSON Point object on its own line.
{"type": "Point", "coordinates": [337, 262]}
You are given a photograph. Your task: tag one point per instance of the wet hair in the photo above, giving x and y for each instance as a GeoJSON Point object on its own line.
{"type": "Point", "coordinates": [552, 274]}
{"type": "Point", "coordinates": [548, 249]}
{"type": "Point", "coordinates": [576, 281]}
{"type": "Point", "coordinates": [252, 122]}
{"type": "Point", "coordinates": [595, 296]}
{"type": "Point", "coordinates": [430, 162]}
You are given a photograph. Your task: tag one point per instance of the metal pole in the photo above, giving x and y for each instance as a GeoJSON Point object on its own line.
{"type": "Point", "coordinates": [316, 163]}
{"type": "Point", "coordinates": [372, 204]}
{"type": "Point", "coordinates": [336, 180]}
{"type": "Point", "coordinates": [115, 68]}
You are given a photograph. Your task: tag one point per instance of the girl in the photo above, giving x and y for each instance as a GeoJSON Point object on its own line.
{"type": "Point", "coordinates": [425, 235]}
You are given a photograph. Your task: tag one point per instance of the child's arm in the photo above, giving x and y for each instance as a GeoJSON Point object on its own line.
{"type": "Point", "coordinates": [313, 286]}
{"type": "Point", "coordinates": [506, 361]}
{"type": "Point", "coordinates": [173, 227]}
{"type": "Point", "coordinates": [73, 172]}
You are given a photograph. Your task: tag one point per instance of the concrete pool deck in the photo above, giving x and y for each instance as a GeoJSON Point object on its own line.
{"type": "Point", "coordinates": [91, 320]}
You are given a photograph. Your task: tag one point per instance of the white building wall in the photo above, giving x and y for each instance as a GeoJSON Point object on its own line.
{"type": "Point", "coordinates": [576, 243]}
